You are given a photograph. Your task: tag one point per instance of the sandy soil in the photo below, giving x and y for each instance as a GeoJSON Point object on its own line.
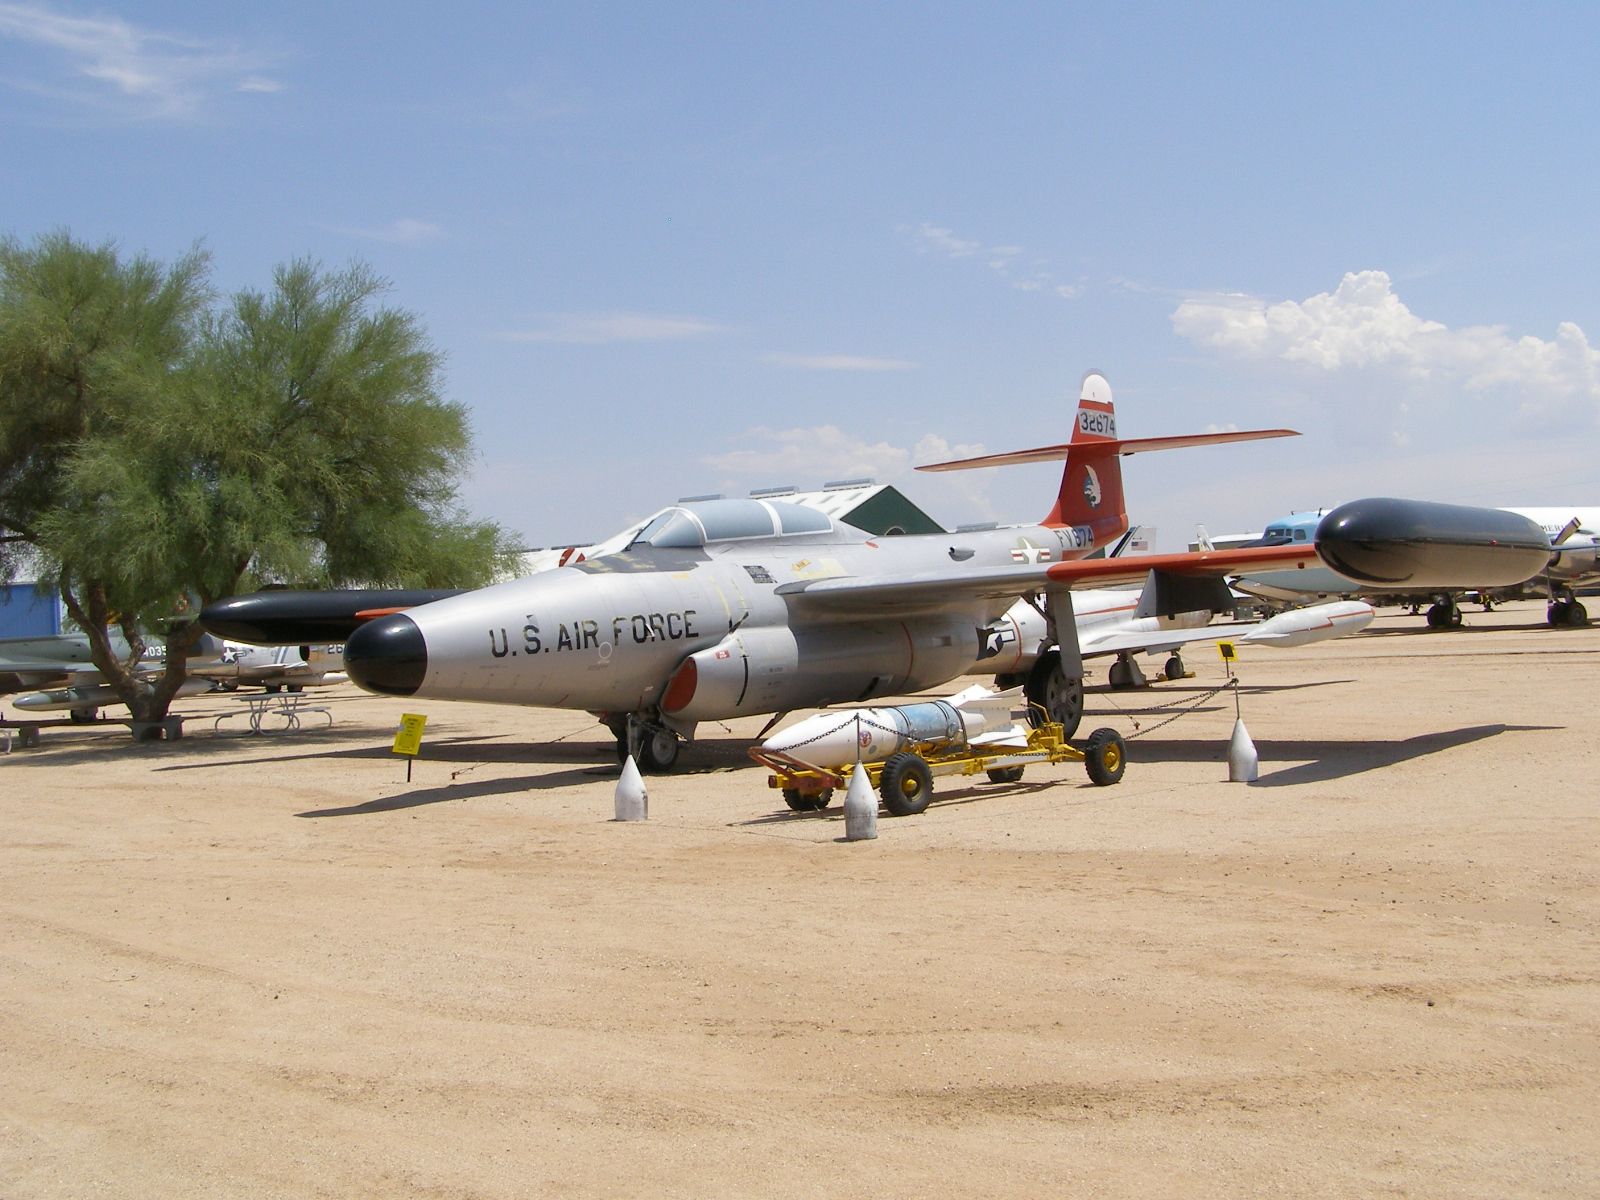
{"type": "Point", "coordinates": [268, 966]}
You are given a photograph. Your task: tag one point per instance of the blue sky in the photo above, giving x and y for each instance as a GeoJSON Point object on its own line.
{"type": "Point", "coordinates": [690, 248]}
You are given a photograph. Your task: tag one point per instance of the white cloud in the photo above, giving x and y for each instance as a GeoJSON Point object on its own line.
{"type": "Point", "coordinates": [838, 362]}
{"type": "Point", "coordinates": [164, 75]}
{"type": "Point", "coordinates": [937, 239]}
{"type": "Point", "coordinates": [815, 452]}
{"type": "Point", "coordinates": [931, 448]}
{"type": "Point", "coordinates": [1004, 260]}
{"type": "Point", "coordinates": [1362, 324]}
{"type": "Point", "coordinates": [597, 329]}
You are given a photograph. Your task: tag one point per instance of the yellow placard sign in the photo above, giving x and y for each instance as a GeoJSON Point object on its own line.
{"type": "Point", "coordinates": [1227, 651]}
{"type": "Point", "coordinates": [409, 739]}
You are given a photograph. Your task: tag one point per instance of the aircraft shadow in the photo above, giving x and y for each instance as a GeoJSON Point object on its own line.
{"type": "Point", "coordinates": [1327, 759]}
{"type": "Point", "coordinates": [465, 790]}
{"type": "Point", "coordinates": [954, 798]}
{"type": "Point", "coordinates": [1467, 627]}
{"type": "Point", "coordinates": [598, 757]}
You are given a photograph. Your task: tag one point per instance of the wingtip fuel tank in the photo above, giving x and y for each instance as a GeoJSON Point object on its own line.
{"type": "Point", "coordinates": [1420, 545]}
{"type": "Point", "coordinates": [1318, 623]}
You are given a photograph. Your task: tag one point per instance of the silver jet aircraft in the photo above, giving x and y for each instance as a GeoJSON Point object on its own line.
{"type": "Point", "coordinates": [731, 608]}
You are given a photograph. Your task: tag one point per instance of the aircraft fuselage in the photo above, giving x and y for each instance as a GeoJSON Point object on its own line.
{"type": "Point", "coordinates": [616, 634]}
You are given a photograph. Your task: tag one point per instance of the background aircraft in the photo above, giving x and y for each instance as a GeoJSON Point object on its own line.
{"type": "Point", "coordinates": [729, 608]}
{"type": "Point", "coordinates": [61, 662]}
{"type": "Point", "coordinates": [54, 673]}
{"type": "Point", "coordinates": [1574, 561]}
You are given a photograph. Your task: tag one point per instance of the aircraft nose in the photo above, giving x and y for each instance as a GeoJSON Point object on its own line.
{"type": "Point", "coordinates": [388, 655]}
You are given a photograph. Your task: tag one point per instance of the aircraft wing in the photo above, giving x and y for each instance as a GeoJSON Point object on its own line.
{"type": "Point", "coordinates": [1163, 639]}
{"type": "Point", "coordinates": [952, 588]}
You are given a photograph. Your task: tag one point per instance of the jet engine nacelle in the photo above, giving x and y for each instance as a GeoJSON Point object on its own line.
{"type": "Point", "coordinates": [774, 668]}
{"type": "Point", "coordinates": [1575, 559]}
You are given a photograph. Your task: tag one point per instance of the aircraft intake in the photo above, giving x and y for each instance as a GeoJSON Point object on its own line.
{"type": "Point", "coordinates": [388, 656]}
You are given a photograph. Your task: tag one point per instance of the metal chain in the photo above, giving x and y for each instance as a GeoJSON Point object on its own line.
{"type": "Point", "coordinates": [1185, 705]}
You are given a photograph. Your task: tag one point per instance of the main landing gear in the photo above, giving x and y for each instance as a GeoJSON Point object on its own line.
{"type": "Point", "coordinates": [1445, 614]}
{"type": "Point", "coordinates": [1059, 698]}
{"type": "Point", "coordinates": [1567, 609]}
{"type": "Point", "coordinates": [654, 747]}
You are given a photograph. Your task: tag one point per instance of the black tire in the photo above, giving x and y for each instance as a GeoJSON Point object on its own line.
{"type": "Point", "coordinates": [1105, 757]}
{"type": "Point", "coordinates": [1577, 614]}
{"type": "Point", "coordinates": [906, 785]}
{"type": "Point", "coordinates": [295, 688]}
{"type": "Point", "coordinates": [83, 716]}
{"type": "Point", "coordinates": [1174, 668]}
{"type": "Point", "coordinates": [807, 801]}
{"type": "Point", "coordinates": [1005, 775]}
{"type": "Point", "coordinates": [1444, 615]}
{"type": "Point", "coordinates": [658, 750]}
{"type": "Point", "coordinates": [1060, 698]}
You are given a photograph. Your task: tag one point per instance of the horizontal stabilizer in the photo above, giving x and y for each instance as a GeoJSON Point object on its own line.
{"type": "Point", "coordinates": [1124, 446]}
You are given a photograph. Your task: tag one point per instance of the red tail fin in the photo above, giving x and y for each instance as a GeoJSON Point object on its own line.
{"type": "Point", "coordinates": [1091, 479]}
{"type": "Point", "coordinates": [1090, 496]}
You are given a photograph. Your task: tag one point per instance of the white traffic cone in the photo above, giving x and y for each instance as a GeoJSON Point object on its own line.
{"type": "Point", "coordinates": [1243, 766]}
{"type": "Point", "coordinates": [860, 808]}
{"type": "Point", "coordinates": [633, 801]}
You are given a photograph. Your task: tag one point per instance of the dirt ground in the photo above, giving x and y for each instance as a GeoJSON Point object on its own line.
{"type": "Point", "coordinates": [241, 965]}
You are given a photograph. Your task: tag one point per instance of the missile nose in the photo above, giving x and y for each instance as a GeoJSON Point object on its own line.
{"type": "Point", "coordinates": [388, 655]}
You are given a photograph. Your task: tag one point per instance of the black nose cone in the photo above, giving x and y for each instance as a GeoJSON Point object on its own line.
{"type": "Point", "coordinates": [388, 656]}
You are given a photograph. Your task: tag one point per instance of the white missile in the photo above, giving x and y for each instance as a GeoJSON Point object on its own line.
{"type": "Point", "coordinates": [840, 736]}
{"type": "Point", "coordinates": [56, 699]}
{"type": "Point", "coordinates": [1302, 626]}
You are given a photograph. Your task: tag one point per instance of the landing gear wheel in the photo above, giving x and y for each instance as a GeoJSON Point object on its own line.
{"type": "Point", "coordinates": [1105, 757]}
{"type": "Point", "coordinates": [82, 716]}
{"type": "Point", "coordinates": [807, 801]}
{"type": "Point", "coordinates": [1444, 615]}
{"type": "Point", "coordinates": [906, 785]}
{"type": "Point", "coordinates": [1175, 668]}
{"type": "Point", "coordinates": [1006, 775]}
{"type": "Point", "coordinates": [1060, 698]}
{"type": "Point", "coordinates": [1556, 614]}
{"type": "Point", "coordinates": [1126, 674]}
{"type": "Point", "coordinates": [658, 750]}
{"type": "Point", "coordinates": [1577, 614]}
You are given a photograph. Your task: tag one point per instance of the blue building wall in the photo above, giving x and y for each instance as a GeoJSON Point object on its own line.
{"type": "Point", "coordinates": [26, 610]}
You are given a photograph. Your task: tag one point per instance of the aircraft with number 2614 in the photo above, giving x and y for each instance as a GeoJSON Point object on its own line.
{"type": "Point", "coordinates": [739, 607]}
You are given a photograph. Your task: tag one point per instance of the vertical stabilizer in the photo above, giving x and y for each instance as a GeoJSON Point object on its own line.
{"type": "Point", "coordinates": [1091, 481]}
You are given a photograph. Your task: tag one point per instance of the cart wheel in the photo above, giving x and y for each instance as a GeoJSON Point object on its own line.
{"type": "Point", "coordinates": [1006, 775]}
{"type": "Point", "coordinates": [807, 801]}
{"type": "Point", "coordinates": [1105, 756]}
{"type": "Point", "coordinates": [906, 785]}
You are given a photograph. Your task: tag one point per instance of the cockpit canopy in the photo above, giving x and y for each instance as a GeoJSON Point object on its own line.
{"type": "Point", "coordinates": [701, 522]}
{"type": "Point", "coordinates": [1282, 535]}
